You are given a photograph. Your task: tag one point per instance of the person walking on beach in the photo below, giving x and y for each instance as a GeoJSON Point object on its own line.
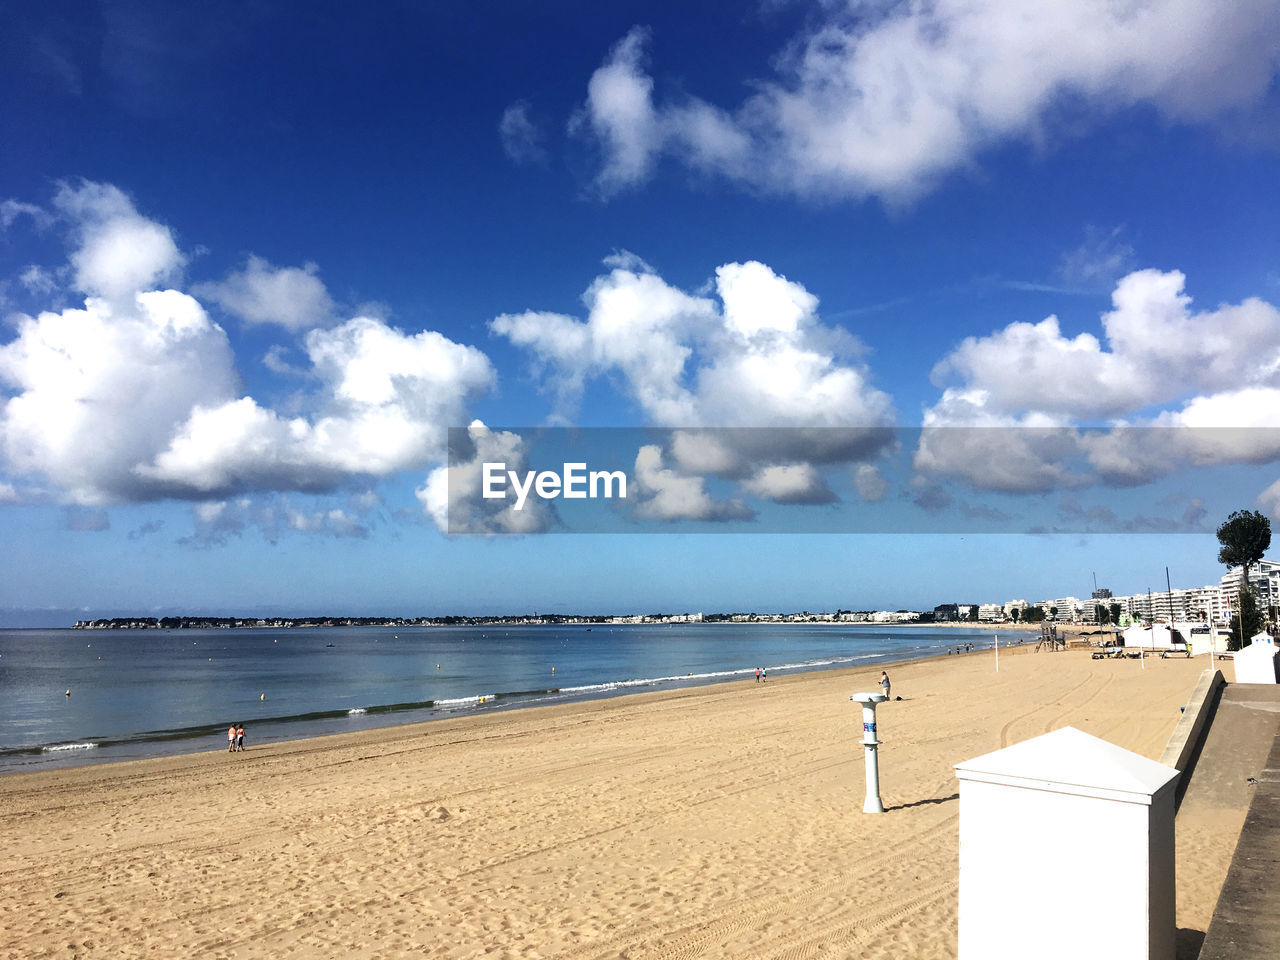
{"type": "Point", "coordinates": [239, 737]}
{"type": "Point", "coordinates": [231, 738]}
{"type": "Point", "coordinates": [757, 674]}
{"type": "Point", "coordinates": [884, 683]}
{"type": "Point", "coordinates": [764, 674]}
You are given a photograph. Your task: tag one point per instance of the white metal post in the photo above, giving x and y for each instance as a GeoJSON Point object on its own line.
{"type": "Point", "coordinates": [870, 744]}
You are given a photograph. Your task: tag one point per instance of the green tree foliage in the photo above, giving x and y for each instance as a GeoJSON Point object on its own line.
{"type": "Point", "coordinates": [1245, 537]}
{"type": "Point", "coordinates": [1014, 614]}
{"type": "Point", "coordinates": [1115, 610]}
{"type": "Point", "coordinates": [1247, 611]}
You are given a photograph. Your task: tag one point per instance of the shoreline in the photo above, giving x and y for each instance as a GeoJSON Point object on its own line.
{"type": "Point", "coordinates": [73, 753]}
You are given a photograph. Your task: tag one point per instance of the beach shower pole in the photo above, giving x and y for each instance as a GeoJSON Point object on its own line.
{"type": "Point", "coordinates": [873, 804]}
{"type": "Point", "coordinates": [996, 638]}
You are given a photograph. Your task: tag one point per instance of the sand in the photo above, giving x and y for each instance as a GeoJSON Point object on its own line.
{"type": "Point", "coordinates": [721, 821]}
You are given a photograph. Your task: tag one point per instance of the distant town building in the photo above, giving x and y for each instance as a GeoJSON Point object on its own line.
{"type": "Point", "coordinates": [1070, 609]}
{"type": "Point", "coordinates": [1264, 580]}
{"type": "Point", "coordinates": [1012, 605]}
{"type": "Point", "coordinates": [895, 616]}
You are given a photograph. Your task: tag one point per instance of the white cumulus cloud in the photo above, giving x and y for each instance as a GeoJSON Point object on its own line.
{"type": "Point", "coordinates": [292, 297]}
{"type": "Point", "coordinates": [760, 357]}
{"type": "Point", "coordinates": [800, 483]}
{"type": "Point", "coordinates": [666, 494]}
{"type": "Point", "coordinates": [885, 99]}
{"type": "Point", "coordinates": [390, 398]}
{"type": "Point", "coordinates": [453, 497]}
{"type": "Point", "coordinates": [1172, 376]}
{"type": "Point", "coordinates": [755, 358]}
{"type": "Point", "coordinates": [100, 389]}
{"type": "Point", "coordinates": [120, 251]}
{"type": "Point", "coordinates": [135, 396]}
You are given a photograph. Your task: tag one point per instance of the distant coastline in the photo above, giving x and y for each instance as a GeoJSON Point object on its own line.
{"type": "Point", "coordinates": [863, 618]}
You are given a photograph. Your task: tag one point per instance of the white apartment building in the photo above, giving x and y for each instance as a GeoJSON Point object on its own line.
{"type": "Point", "coordinates": [990, 612]}
{"type": "Point", "coordinates": [1264, 579]}
{"type": "Point", "coordinates": [894, 616]}
{"type": "Point", "coordinates": [1185, 603]}
{"type": "Point", "coordinates": [1013, 605]}
{"type": "Point", "coordinates": [1071, 608]}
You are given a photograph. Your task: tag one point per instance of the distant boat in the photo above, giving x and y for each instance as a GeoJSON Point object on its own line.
{"type": "Point", "coordinates": [328, 644]}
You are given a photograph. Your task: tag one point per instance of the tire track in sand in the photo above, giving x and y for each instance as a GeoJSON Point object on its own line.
{"type": "Point", "coordinates": [758, 910]}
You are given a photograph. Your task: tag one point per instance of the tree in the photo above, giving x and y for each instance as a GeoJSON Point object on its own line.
{"type": "Point", "coordinates": [1014, 613]}
{"type": "Point", "coordinates": [1115, 611]}
{"type": "Point", "coordinates": [1100, 614]}
{"type": "Point", "coordinates": [1053, 613]}
{"type": "Point", "coordinates": [973, 612]}
{"type": "Point", "coordinates": [1245, 622]}
{"type": "Point", "coordinates": [1245, 537]}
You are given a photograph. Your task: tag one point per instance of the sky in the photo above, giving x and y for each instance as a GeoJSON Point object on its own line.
{"type": "Point", "coordinates": [877, 304]}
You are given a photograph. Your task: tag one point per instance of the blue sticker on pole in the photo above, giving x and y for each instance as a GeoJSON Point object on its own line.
{"type": "Point", "coordinates": [868, 728]}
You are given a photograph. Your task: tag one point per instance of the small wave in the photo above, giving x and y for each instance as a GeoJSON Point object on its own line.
{"type": "Point", "coordinates": [356, 711]}
{"type": "Point", "coordinates": [466, 701]}
{"type": "Point", "coordinates": [58, 747]}
{"type": "Point", "coordinates": [712, 675]}
{"type": "Point", "coordinates": [618, 685]}
{"type": "Point", "coordinates": [826, 662]}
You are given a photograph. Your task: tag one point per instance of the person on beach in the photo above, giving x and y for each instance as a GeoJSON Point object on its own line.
{"type": "Point", "coordinates": [239, 737]}
{"type": "Point", "coordinates": [884, 683]}
{"type": "Point", "coordinates": [757, 674]}
{"type": "Point", "coordinates": [764, 674]}
{"type": "Point", "coordinates": [231, 738]}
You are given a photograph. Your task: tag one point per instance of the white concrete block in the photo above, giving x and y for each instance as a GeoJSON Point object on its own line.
{"type": "Point", "coordinates": [1066, 851]}
{"type": "Point", "coordinates": [1256, 663]}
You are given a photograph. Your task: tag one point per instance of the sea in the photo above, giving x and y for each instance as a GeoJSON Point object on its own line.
{"type": "Point", "coordinates": [70, 697]}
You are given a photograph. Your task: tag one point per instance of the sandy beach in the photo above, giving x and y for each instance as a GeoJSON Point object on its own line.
{"type": "Point", "coordinates": [720, 821]}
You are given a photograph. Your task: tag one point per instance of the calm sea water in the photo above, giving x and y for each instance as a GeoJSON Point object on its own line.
{"type": "Point", "coordinates": [141, 693]}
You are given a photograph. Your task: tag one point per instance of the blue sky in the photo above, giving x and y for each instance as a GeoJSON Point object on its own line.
{"type": "Point", "coordinates": [254, 263]}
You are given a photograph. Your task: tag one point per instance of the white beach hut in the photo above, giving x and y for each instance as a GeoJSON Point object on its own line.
{"type": "Point", "coordinates": [1057, 814]}
{"type": "Point", "coordinates": [1256, 663]}
{"type": "Point", "coordinates": [1205, 638]}
{"type": "Point", "coordinates": [1157, 636]}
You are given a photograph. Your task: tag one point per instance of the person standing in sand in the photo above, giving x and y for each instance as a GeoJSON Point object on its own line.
{"type": "Point", "coordinates": [884, 683]}
{"type": "Point", "coordinates": [757, 674]}
{"type": "Point", "coordinates": [231, 738]}
{"type": "Point", "coordinates": [239, 737]}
